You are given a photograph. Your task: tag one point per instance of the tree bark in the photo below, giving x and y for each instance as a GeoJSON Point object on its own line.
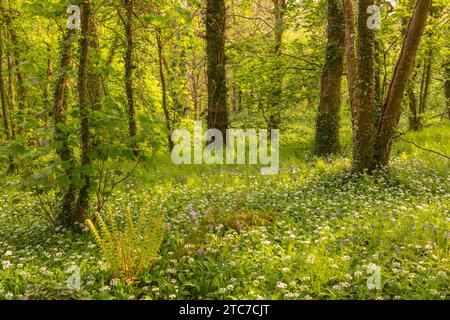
{"type": "Point", "coordinates": [279, 7]}
{"type": "Point", "coordinates": [217, 90]}
{"type": "Point", "coordinates": [414, 123]}
{"type": "Point", "coordinates": [352, 65]}
{"type": "Point", "coordinates": [447, 87]}
{"type": "Point", "coordinates": [392, 106]}
{"type": "Point", "coordinates": [15, 57]}
{"type": "Point", "coordinates": [128, 25]}
{"type": "Point", "coordinates": [365, 129]}
{"type": "Point", "coordinates": [85, 135]}
{"type": "Point", "coordinates": [426, 79]}
{"type": "Point", "coordinates": [3, 92]}
{"type": "Point", "coordinates": [61, 135]}
{"type": "Point", "coordinates": [164, 89]}
{"type": "Point", "coordinates": [327, 126]}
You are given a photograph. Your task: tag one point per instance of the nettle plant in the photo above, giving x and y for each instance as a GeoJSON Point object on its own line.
{"type": "Point", "coordinates": [132, 246]}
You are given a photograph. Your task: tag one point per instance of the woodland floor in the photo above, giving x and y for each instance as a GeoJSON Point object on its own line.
{"type": "Point", "coordinates": [308, 233]}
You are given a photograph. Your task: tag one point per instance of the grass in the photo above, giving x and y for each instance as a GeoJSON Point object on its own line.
{"type": "Point", "coordinates": [308, 233]}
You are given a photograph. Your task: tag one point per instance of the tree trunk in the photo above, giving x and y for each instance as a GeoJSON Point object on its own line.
{"type": "Point", "coordinates": [61, 135]}
{"type": "Point", "coordinates": [426, 79]}
{"type": "Point", "coordinates": [7, 125]}
{"type": "Point", "coordinates": [128, 24]}
{"type": "Point", "coordinates": [352, 65]}
{"type": "Point", "coordinates": [85, 135]}
{"type": "Point", "coordinates": [414, 123]}
{"type": "Point", "coordinates": [164, 89]}
{"type": "Point", "coordinates": [447, 87]}
{"type": "Point", "coordinates": [16, 66]}
{"type": "Point", "coordinates": [3, 92]}
{"type": "Point", "coordinates": [365, 129]}
{"type": "Point", "coordinates": [217, 90]}
{"type": "Point", "coordinates": [279, 7]}
{"type": "Point", "coordinates": [392, 106]}
{"type": "Point", "coordinates": [327, 126]}
{"type": "Point", "coordinates": [94, 78]}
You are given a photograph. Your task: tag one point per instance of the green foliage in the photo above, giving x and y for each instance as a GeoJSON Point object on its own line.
{"type": "Point", "coordinates": [132, 249]}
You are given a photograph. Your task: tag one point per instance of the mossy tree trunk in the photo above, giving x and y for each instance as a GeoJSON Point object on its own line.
{"type": "Point", "coordinates": [61, 135]}
{"type": "Point", "coordinates": [217, 117]}
{"type": "Point", "coordinates": [82, 206]}
{"type": "Point", "coordinates": [327, 126]}
{"type": "Point", "coordinates": [365, 128]}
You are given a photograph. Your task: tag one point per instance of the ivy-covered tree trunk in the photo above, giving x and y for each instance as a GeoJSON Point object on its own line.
{"type": "Point", "coordinates": [2, 91]}
{"type": "Point", "coordinates": [352, 64]}
{"type": "Point", "coordinates": [365, 128]}
{"type": "Point", "coordinates": [8, 126]}
{"type": "Point", "coordinates": [94, 79]}
{"type": "Point", "coordinates": [327, 126]}
{"type": "Point", "coordinates": [217, 117]}
{"type": "Point", "coordinates": [64, 151]}
{"type": "Point", "coordinates": [16, 61]}
{"type": "Point", "coordinates": [392, 107]}
{"type": "Point", "coordinates": [85, 135]}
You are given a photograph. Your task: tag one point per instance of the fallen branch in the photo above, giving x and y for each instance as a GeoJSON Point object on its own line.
{"type": "Point", "coordinates": [425, 149]}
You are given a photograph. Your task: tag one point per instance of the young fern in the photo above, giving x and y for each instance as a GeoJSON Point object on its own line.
{"type": "Point", "coordinates": [133, 248]}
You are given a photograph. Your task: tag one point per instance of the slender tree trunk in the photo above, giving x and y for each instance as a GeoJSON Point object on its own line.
{"type": "Point", "coordinates": [2, 91]}
{"type": "Point", "coordinates": [426, 79]}
{"type": "Point", "coordinates": [164, 89]}
{"type": "Point", "coordinates": [94, 78]}
{"type": "Point", "coordinates": [392, 106]}
{"type": "Point", "coordinates": [279, 7]}
{"type": "Point", "coordinates": [64, 151]}
{"type": "Point", "coordinates": [327, 126]}
{"type": "Point", "coordinates": [447, 87]}
{"type": "Point", "coordinates": [217, 90]}
{"type": "Point", "coordinates": [128, 24]}
{"type": "Point", "coordinates": [352, 64]}
{"type": "Point", "coordinates": [48, 80]}
{"type": "Point", "coordinates": [414, 123]}
{"type": "Point", "coordinates": [85, 135]}
{"type": "Point", "coordinates": [11, 90]}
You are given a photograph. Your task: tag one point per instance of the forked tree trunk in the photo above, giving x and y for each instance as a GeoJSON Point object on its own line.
{"type": "Point", "coordinates": [327, 126]}
{"type": "Point", "coordinates": [373, 142]}
{"type": "Point", "coordinates": [217, 90]}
